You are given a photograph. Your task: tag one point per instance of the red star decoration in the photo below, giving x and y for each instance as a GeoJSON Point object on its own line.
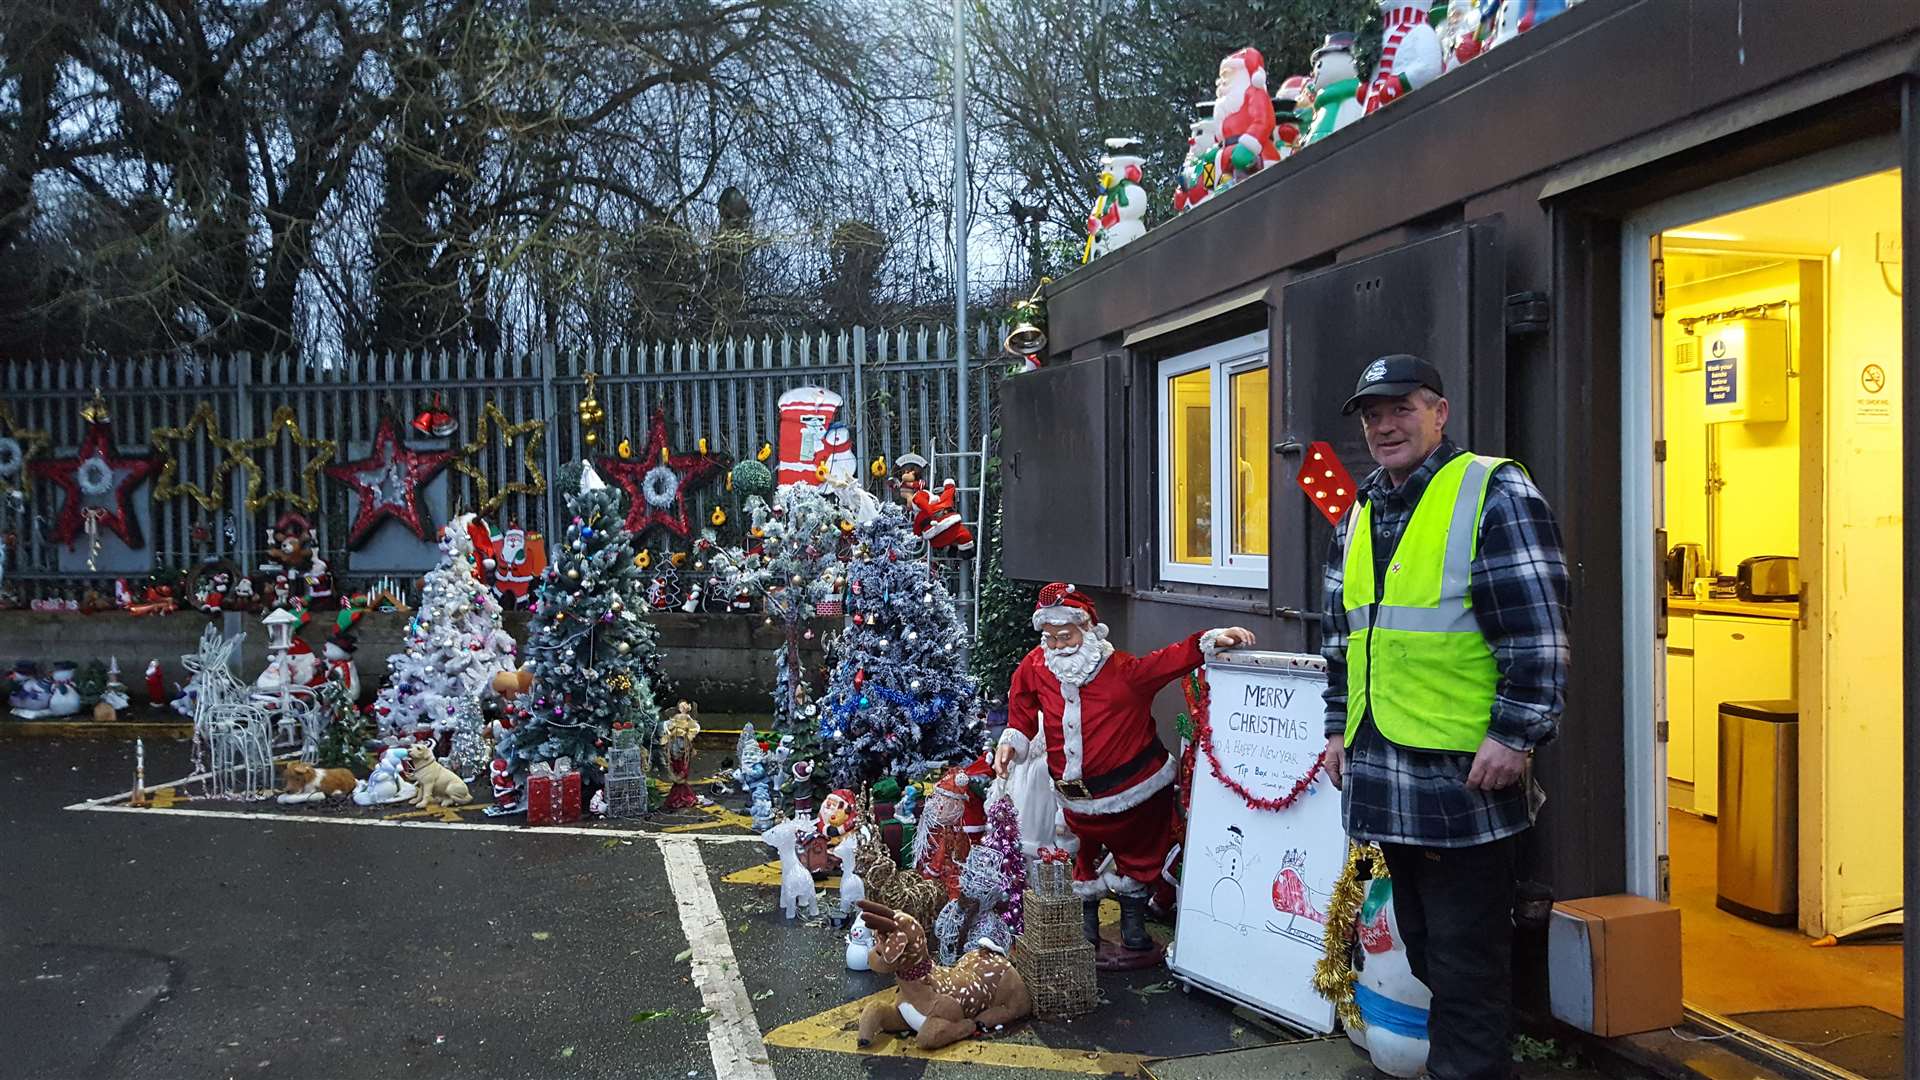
{"type": "Point", "coordinates": [688, 472]}
{"type": "Point", "coordinates": [128, 474]}
{"type": "Point", "coordinates": [388, 482]}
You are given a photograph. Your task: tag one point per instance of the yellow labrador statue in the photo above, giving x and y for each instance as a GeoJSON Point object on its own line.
{"type": "Point", "coordinates": [435, 781]}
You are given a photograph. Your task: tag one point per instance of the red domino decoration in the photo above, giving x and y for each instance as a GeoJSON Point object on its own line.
{"type": "Point", "coordinates": [1328, 484]}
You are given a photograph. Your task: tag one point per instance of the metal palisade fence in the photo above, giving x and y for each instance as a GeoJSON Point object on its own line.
{"type": "Point", "coordinates": [900, 387]}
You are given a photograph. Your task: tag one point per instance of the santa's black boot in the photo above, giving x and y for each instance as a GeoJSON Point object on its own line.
{"type": "Point", "coordinates": [1133, 923]}
{"type": "Point", "coordinates": [1090, 920]}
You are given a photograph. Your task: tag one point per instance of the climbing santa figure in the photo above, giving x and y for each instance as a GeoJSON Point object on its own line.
{"type": "Point", "coordinates": [1103, 752]}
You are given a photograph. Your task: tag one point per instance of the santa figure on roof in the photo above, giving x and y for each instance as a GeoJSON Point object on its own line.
{"type": "Point", "coordinates": [1103, 752]}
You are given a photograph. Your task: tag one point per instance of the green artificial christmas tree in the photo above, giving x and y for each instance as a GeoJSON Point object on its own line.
{"type": "Point", "coordinates": [343, 743]}
{"type": "Point", "coordinates": [901, 701]}
{"type": "Point", "coordinates": [591, 648]}
{"type": "Point", "coordinates": [795, 560]}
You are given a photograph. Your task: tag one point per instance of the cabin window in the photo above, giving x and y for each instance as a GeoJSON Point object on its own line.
{"type": "Point", "coordinates": [1213, 452]}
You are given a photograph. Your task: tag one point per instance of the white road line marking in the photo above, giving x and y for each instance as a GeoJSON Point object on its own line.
{"type": "Point", "coordinates": [733, 1035]}
{"type": "Point", "coordinates": [470, 826]}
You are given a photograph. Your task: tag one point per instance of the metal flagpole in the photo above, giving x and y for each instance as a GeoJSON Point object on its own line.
{"type": "Point", "coordinates": [960, 225]}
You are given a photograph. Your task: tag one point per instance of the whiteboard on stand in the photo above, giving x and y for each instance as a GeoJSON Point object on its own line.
{"type": "Point", "coordinates": [1255, 883]}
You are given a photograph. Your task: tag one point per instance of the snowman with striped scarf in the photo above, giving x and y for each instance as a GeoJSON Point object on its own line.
{"type": "Point", "coordinates": [1119, 215]}
{"type": "Point", "coordinates": [1410, 53]}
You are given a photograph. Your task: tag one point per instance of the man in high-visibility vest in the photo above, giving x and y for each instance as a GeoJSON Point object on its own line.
{"type": "Point", "coordinates": [1446, 645]}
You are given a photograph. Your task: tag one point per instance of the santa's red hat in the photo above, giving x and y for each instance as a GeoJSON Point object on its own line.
{"type": "Point", "coordinates": [1255, 64]}
{"type": "Point", "coordinates": [1060, 604]}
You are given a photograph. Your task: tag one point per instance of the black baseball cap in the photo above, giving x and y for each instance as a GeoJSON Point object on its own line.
{"type": "Point", "coordinates": [1393, 376]}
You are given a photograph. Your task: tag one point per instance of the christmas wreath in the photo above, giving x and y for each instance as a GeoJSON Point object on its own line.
{"type": "Point", "coordinates": [94, 477]}
{"type": "Point", "coordinates": [1198, 699]}
{"type": "Point", "coordinates": [660, 487]}
{"type": "Point", "coordinates": [11, 457]}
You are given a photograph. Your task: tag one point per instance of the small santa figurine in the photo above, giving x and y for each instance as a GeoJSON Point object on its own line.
{"type": "Point", "coordinates": [1243, 116]}
{"type": "Point", "coordinates": [935, 519]}
{"type": "Point", "coordinates": [952, 821]}
{"type": "Point", "coordinates": [835, 818]}
{"type": "Point", "coordinates": [1103, 751]}
{"type": "Point", "coordinates": [676, 738]}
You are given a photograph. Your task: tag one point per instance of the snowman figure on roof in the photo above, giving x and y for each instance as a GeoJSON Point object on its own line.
{"type": "Point", "coordinates": [1336, 86]}
{"type": "Point", "coordinates": [1243, 115]}
{"type": "Point", "coordinates": [1119, 215]}
{"type": "Point", "coordinates": [1410, 53]}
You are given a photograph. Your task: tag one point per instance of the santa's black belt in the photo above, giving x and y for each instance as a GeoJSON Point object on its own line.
{"type": "Point", "coordinates": [1092, 787]}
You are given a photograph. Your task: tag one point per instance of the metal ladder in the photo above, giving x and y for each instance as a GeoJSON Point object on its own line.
{"type": "Point", "coordinates": [963, 579]}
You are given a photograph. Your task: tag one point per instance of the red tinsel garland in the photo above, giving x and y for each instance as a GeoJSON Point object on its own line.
{"type": "Point", "coordinates": [1199, 697]}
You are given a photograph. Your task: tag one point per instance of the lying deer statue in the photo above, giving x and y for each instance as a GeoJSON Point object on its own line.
{"type": "Point", "coordinates": [941, 1005]}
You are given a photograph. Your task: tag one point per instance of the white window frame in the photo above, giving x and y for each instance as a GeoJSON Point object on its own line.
{"type": "Point", "coordinates": [1224, 360]}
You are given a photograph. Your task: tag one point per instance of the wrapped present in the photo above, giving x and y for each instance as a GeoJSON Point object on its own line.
{"type": "Point", "coordinates": [553, 793]}
{"type": "Point", "coordinates": [833, 608]}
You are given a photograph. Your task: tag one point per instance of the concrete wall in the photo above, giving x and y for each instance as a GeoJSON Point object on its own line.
{"type": "Point", "coordinates": [724, 663]}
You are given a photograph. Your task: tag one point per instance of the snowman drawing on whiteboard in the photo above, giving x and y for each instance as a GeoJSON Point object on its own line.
{"type": "Point", "coordinates": [1229, 899]}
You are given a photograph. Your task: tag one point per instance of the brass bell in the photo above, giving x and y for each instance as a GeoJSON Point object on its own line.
{"type": "Point", "coordinates": [1029, 335]}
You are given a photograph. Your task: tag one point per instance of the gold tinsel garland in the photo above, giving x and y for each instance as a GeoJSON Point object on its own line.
{"type": "Point", "coordinates": [1333, 975]}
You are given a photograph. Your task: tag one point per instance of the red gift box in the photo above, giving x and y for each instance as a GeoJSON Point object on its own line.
{"type": "Point", "coordinates": [553, 798]}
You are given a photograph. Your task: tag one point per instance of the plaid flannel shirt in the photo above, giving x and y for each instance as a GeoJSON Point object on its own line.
{"type": "Point", "coordinates": [1394, 794]}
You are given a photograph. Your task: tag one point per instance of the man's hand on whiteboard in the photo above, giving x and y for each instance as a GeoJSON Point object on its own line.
{"type": "Point", "coordinates": [1496, 766]}
{"type": "Point", "coordinates": [1336, 761]}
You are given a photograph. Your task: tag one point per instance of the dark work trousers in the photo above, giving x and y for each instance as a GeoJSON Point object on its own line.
{"type": "Point", "coordinates": [1455, 908]}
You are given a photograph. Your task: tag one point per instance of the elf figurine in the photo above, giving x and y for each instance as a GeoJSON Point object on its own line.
{"type": "Point", "coordinates": [1243, 115]}
{"type": "Point", "coordinates": [1198, 171]}
{"type": "Point", "coordinates": [1292, 110]}
{"type": "Point", "coordinates": [1336, 84]}
{"type": "Point", "coordinates": [1410, 53]}
{"type": "Point", "coordinates": [935, 519]}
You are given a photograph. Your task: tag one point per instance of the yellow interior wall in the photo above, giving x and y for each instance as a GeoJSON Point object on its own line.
{"type": "Point", "coordinates": [1759, 462]}
{"type": "Point", "coordinates": [1854, 583]}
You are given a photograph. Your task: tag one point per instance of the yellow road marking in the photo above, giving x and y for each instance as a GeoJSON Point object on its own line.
{"type": "Point", "coordinates": [768, 874]}
{"type": "Point", "coordinates": [833, 1031]}
{"type": "Point", "coordinates": [720, 816]}
{"type": "Point", "coordinates": [435, 810]}
{"type": "Point", "coordinates": [163, 798]}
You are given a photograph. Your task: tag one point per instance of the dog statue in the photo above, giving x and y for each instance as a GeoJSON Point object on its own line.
{"type": "Point", "coordinates": [303, 783]}
{"type": "Point", "coordinates": [434, 781]}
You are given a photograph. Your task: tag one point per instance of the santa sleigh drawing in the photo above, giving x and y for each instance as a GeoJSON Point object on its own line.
{"type": "Point", "coordinates": [1293, 898]}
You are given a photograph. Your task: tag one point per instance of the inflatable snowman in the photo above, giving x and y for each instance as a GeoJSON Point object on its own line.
{"type": "Point", "coordinates": [1392, 1001]}
{"type": "Point", "coordinates": [1410, 53]}
{"type": "Point", "coordinates": [1336, 87]}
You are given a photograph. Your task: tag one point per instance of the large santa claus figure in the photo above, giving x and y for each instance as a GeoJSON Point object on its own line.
{"type": "Point", "coordinates": [1243, 116]}
{"type": "Point", "coordinates": [1103, 751]}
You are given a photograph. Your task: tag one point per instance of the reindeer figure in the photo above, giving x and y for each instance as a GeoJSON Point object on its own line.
{"type": "Point", "coordinates": [941, 1005]}
{"type": "Point", "coordinates": [887, 883]}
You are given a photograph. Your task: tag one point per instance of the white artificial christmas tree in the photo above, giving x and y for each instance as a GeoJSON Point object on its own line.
{"type": "Point", "coordinates": [454, 646]}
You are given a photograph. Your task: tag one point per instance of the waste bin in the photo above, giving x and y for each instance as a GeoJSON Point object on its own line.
{"type": "Point", "coordinates": [1759, 838]}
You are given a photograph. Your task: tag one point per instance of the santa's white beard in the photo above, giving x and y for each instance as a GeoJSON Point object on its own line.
{"type": "Point", "coordinates": [1234, 96]}
{"type": "Point", "coordinates": [1077, 666]}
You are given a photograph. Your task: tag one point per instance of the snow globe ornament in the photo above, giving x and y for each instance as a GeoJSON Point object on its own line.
{"type": "Point", "coordinates": [1336, 87]}
{"type": "Point", "coordinates": [1392, 1001]}
{"type": "Point", "coordinates": [1119, 215]}
{"type": "Point", "coordinates": [1410, 54]}
{"type": "Point", "coordinates": [1243, 116]}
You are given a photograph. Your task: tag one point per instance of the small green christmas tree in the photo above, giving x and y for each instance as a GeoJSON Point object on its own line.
{"type": "Point", "coordinates": [342, 743]}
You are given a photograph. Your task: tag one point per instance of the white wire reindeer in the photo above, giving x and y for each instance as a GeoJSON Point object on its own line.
{"type": "Point", "coordinates": [232, 738]}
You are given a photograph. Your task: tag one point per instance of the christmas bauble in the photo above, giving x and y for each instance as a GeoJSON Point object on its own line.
{"type": "Point", "coordinates": [573, 575]}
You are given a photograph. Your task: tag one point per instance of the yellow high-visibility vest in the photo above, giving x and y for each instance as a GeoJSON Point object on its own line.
{"type": "Point", "coordinates": [1415, 654]}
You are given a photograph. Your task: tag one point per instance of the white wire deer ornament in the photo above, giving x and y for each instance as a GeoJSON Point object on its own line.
{"type": "Point", "coordinates": [232, 740]}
